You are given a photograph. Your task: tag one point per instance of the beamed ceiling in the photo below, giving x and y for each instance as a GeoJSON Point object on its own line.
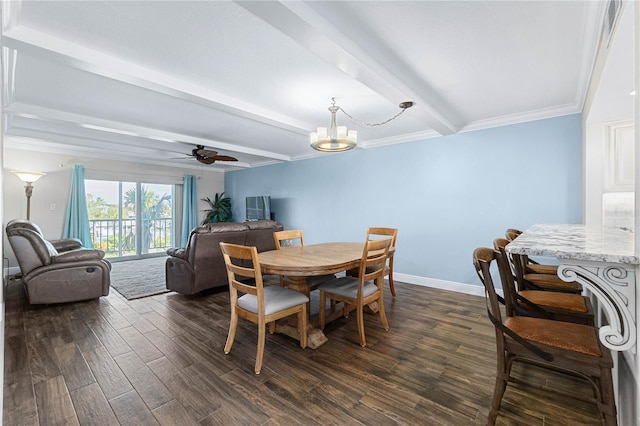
{"type": "Point", "coordinates": [147, 81]}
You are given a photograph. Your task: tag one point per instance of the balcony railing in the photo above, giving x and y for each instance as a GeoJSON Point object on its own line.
{"type": "Point", "coordinates": [117, 237]}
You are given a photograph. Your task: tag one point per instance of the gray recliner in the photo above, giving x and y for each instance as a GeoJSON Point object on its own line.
{"type": "Point", "coordinates": [51, 276]}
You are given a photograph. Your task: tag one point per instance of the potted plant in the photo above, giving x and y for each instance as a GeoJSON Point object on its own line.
{"type": "Point", "coordinates": [220, 210]}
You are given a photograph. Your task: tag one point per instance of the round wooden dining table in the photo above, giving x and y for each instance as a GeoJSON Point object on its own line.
{"type": "Point", "coordinates": [299, 262]}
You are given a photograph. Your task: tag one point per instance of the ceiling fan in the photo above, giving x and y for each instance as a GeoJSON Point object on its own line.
{"type": "Point", "coordinates": [208, 156]}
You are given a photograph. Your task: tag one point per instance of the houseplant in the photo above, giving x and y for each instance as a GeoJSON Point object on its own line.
{"type": "Point", "coordinates": [220, 210]}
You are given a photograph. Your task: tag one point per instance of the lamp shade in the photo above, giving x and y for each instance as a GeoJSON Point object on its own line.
{"type": "Point", "coordinates": [28, 177]}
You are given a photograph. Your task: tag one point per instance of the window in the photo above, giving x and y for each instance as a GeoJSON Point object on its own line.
{"type": "Point", "coordinates": [130, 218]}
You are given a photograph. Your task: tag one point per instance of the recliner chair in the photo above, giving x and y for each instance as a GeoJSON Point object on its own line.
{"type": "Point", "coordinates": [50, 276]}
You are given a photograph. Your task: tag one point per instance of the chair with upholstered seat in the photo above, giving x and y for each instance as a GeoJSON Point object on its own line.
{"type": "Point", "coordinates": [535, 281]}
{"type": "Point", "coordinates": [555, 345]}
{"type": "Point", "coordinates": [258, 304]}
{"type": "Point", "coordinates": [355, 292]}
{"type": "Point", "coordinates": [377, 232]}
{"type": "Point", "coordinates": [541, 304]}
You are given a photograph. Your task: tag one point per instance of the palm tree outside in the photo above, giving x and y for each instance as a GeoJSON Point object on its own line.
{"type": "Point", "coordinates": [154, 207]}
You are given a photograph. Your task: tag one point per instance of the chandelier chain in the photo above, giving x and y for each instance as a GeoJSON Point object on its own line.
{"type": "Point", "coordinates": [364, 123]}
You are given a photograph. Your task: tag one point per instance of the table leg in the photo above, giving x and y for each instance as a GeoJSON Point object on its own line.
{"type": "Point", "coordinates": [315, 336]}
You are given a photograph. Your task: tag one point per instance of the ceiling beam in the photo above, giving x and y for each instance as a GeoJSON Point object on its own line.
{"type": "Point", "coordinates": [383, 73]}
{"type": "Point", "coordinates": [34, 143]}
{"type": "Point", "coordinates": [79, 57]}
{"type": "Point", "coordinates": [41, 113]}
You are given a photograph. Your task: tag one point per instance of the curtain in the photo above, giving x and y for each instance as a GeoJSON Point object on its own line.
{"type": "Point", "coordinates": [189, 208]}
{"type": "Point", "coordinates": [76, 224]}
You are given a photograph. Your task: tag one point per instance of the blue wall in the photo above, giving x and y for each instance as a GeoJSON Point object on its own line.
{"type": "Point", "coordinates": [446, 195]}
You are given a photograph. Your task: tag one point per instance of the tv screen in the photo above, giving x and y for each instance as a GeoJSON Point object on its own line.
{"type": "Point", "coordinates": [259, 207]}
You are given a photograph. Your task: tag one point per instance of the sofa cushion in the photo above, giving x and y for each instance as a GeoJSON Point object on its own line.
{"type": "Point", "coordinates": [220, 227]}
{"type": "Point", "coordinates": [261, 224]}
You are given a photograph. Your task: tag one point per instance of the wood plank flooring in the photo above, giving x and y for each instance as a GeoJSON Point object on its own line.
{"type": "Point", "coordinates": [160, 360]}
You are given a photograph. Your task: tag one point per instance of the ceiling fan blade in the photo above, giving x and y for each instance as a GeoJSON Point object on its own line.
{"type": "Point", "coordinates": [225, 158]}
{"type": "Point", "coordinates": [206, 160]}
{"type": "Point", "coordinates": [208, 156]}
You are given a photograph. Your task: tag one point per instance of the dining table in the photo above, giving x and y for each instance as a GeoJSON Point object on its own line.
{"type": "Point", "coordinates": [299, 262]}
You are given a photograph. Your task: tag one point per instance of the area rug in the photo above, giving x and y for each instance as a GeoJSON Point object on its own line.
{"type": "Point", "coordinates": [139, 278]}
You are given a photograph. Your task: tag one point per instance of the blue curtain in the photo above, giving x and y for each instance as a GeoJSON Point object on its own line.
{"type": "Point", "coordinates": [76, 224]}
{"type": "Point", "coordinates": [189, 208]}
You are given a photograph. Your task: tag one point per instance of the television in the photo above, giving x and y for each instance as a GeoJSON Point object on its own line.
{"type": "Point", "coordinates": [259, 207]}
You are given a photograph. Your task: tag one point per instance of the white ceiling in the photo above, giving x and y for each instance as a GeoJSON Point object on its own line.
{"type": "Point", "coordinates": [146, 81]}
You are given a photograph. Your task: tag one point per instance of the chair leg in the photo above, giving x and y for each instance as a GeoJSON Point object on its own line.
{"type": "Point", "coordinates": [322, 313]}
{"type": "Point", "coordinates": [503, 370]}
{"type": "Point", "coordinates": [347, 308]}
{"type": "Point", "coordinates": [383, 315]}
{"type": "Point", "coordinates": [272, 327]}
{"type": "Point", "coordinates": [302, 326]}
{"type": "Point", "coordinates": [261, 338]}
{"type": "Point", "coordinates": [391, 286]}
{"type": "Point", "coordinates": [498, 392]}
{"type": "Point", "coordinates": [360, 318]}
{"type": "Point", "coordinates": [233, 325]}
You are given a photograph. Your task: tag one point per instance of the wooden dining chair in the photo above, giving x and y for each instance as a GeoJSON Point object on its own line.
{"type": "Point", "coordinates": [368, 287]}
{"type": "Point", "coordinates": [532, 265]}
{"type": "Point", "coordinates": [258, 304]}
{"type": "Point", "coordinates": [377, 232]}
{"type": "Point", "coordinates": [535, 281]}
{"type": "Point", "coordinates": [541, 304]}
{"type": "Point", "coordinates": [574, 349]}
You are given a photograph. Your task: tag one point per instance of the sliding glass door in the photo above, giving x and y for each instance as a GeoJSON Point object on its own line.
{"type": "Point", "coordinates": [130, 218]}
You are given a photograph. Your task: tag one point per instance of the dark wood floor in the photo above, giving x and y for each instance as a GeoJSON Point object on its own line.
{"type": "Point", "coordinates": [160, 360]}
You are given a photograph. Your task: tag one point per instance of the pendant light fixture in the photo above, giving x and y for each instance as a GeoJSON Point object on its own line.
{"type": "Point", "coordinates": [339, 138]}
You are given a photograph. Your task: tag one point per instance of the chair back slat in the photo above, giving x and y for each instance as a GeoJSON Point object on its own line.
{"type": "Point", "coordinates": [483, 257]}
{"type": "Point", "coordinates": [288, 238]}
{"type": "Point", "coordinates": [515, 263]}
{"type": "Point", "coordinates": [512, 234]}
{"type": "Point", "coordinates": [233, 256]}
{"type": "Point", "coordinates": [373, 232]}
{"type": "Point", "coordinates": [507, 278]}
{"type": "Point", "coordinates": [374, 258]}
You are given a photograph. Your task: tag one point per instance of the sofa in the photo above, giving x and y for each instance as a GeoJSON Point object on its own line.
{"type": "Point", "coordinates": [200, 266]}
{"type": "Point", "coordinates": [53, 276]}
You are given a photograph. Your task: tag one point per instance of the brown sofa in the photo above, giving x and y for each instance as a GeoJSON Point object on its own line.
{"type": "Point", "coordinates": [200, 265]}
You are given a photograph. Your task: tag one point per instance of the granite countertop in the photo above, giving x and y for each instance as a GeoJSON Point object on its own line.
{"type": "Point", "coordinates": [578, 242]}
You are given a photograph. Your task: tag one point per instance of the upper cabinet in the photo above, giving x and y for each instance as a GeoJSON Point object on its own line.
{"type": "Point", "coordinates": [619, 156]}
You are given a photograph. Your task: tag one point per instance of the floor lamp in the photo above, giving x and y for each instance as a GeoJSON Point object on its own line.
{"type": "Point", "coordinates": [29, 178]}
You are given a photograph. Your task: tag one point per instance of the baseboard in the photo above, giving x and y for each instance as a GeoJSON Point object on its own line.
{"type": "Point", "coordinates": [474, 290]}
{"type": "Point", "coordinates": [471, 289]}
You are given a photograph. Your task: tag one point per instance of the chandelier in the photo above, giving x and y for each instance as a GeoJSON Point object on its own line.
{"type": "Point", "coordinates": [339, 138]}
